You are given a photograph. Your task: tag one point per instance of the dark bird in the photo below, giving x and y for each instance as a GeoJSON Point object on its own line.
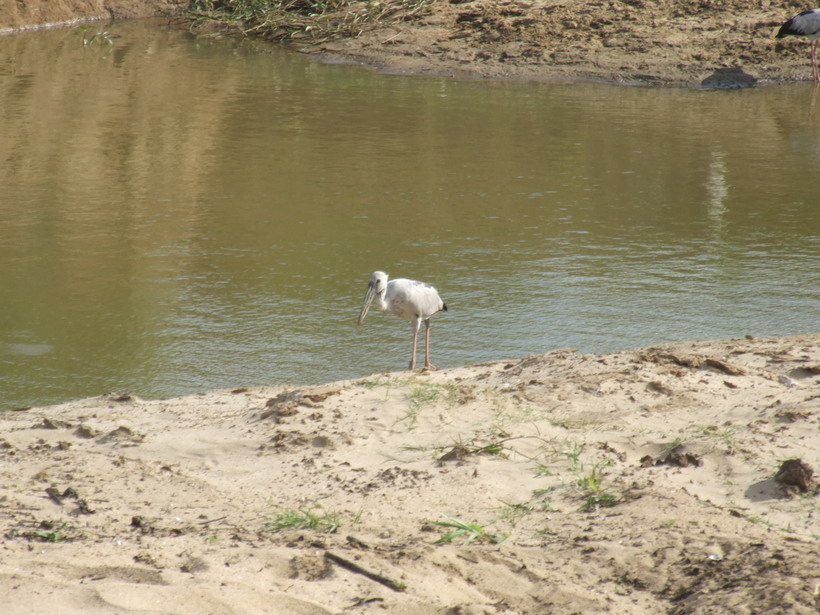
{"type": "Point", "coordinates": [408, 299]}
{"type": "Point", "coordinates": [805, 24]}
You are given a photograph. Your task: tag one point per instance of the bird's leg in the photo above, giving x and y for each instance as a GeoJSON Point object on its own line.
{"type": "Point", "coordinates": [416, 325]}
{"type": "Point", "coordinates": [427, 345]}
{"type": "Point", "coordinates": [814, 70]}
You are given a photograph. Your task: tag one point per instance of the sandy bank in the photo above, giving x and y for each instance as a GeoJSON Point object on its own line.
{"type": "Point", "coordinates": [641, 481]}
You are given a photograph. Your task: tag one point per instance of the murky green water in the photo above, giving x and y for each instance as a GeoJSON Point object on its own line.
{"type": "Point", "coordinates": [179, 215]}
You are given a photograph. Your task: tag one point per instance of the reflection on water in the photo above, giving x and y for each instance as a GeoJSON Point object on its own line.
{"type": "Point", "coordinates": [180, 214]}
{"type": "Point", "coordinates": [717, 190]}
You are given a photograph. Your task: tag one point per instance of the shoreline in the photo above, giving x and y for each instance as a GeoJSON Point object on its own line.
{"type": "Point", "coordinates": [137, 396]}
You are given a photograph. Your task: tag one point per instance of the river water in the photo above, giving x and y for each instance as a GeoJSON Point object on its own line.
{"type": "Point", "coordinates": [182, 214]}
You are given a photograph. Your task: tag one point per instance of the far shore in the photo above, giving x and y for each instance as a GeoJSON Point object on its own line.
{"type": "Point", "coordinates": [691, 43]}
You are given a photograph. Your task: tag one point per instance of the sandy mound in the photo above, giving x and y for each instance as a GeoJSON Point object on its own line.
{"type": "Point", "coordinates": [636, 482]}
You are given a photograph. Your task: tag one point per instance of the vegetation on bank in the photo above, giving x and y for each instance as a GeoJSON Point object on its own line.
{"type": "Point", "coordinates": [306, 21]}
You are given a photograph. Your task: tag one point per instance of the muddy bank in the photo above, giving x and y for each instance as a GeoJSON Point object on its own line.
{"type": "Point", "coordinates": [43, 13]}
{"type": "Point", "coordinates": [633, 42]}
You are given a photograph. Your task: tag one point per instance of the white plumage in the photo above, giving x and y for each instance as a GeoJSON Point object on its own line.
{"type": "Point", "coordinates": [408, 299]}
{"type": "Point", "coordinates": [805, 24]}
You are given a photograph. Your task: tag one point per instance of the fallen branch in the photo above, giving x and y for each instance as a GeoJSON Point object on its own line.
{"type": "Point", "coordinates": [344, 563]}
{"type": "Point", "coordinates": [209, 521]}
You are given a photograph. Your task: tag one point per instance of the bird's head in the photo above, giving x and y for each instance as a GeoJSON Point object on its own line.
{"type": "Point", "coordinates": [377, 286]}
{"type": "Point", "coordinates": [378, 280]}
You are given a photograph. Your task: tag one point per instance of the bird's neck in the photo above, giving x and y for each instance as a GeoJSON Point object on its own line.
{"type": "Point", "coordinates": [381, 304]}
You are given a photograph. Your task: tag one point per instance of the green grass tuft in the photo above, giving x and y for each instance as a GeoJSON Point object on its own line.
{"type": "Point", "coordinates": [468, 531]}
{"type": "Point", "coordinates": [300, 519]}
{"type": "Point", "coordinates": [306, 20]}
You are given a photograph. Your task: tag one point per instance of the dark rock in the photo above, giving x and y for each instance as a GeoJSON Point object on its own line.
{"type": "Point", "coordinates": [795, 473]}
{"type": "Point", "coordinates": [729, 79]}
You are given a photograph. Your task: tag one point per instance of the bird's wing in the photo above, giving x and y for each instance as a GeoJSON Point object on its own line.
{"type": "Point", "coordinates": [412, 299]}
{"type": "Point", "coordinates": [806, 23]}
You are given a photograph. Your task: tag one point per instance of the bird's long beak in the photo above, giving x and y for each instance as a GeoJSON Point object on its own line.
{"type": "Point", "coordinates": [368, 299]}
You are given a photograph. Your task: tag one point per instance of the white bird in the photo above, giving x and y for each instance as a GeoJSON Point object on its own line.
{"type": "Point", "coordinates": [409, 299]}
{"type": "Point", "coordinates": [805, 24]}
